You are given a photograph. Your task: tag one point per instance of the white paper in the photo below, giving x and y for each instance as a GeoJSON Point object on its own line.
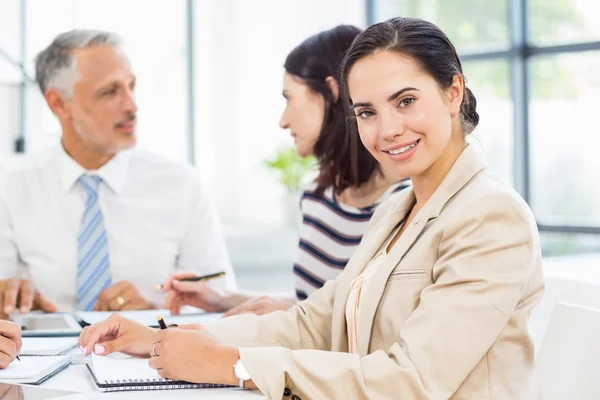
{"type": "Point", "coordinates": [189, 315]}
{"type": "Point", "coordinates": [120, 367]}
{"type": "Point", "coordinates": [32, 368]}
{"type": "Point", "coordinates": [47, 346]}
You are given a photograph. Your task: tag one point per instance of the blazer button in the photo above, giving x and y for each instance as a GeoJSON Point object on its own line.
{"type": "Point", "coordinates": [294, 397]}
{"type": "Point", "coordinates": [287, 392]}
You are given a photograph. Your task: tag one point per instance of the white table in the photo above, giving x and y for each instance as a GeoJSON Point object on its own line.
{"type": "Point", "coordinates": [77, 379]}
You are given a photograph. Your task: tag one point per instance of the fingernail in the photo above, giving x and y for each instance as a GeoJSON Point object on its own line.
{"type": "Point", "coordinates": [83, 349]}
{"type": "Point", "coordinates": [8, 309]}
{"type": "Point", "coordinates": [99, 349]}
{"type": "Point", "coordinates": [23, 309]}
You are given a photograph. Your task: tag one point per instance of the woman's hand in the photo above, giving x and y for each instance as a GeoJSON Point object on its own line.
{"type": "Point", "coordinates": [117, 334]}
{"type": "Point", "coordinates": [193, 355]}
{"type": "Point", "coordinates": [196, 294]}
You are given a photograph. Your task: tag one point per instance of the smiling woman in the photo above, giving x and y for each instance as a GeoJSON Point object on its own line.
{"type": "Point", "coordinates": [448, 270]}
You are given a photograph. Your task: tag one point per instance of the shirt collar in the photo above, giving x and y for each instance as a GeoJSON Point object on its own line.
{"type": "Point", "coordinates": [113, 173]}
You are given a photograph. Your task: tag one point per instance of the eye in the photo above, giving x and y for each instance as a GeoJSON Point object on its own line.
{"type": "Point", "coordinates": [406, 102]}
{"type": "Point", "coordinates": [364, 114]}
{"type": "Point", "coordinates": [109, 92]}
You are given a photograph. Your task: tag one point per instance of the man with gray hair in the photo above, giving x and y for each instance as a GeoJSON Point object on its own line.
{"type": "Point", "coordinates": [94, 224]}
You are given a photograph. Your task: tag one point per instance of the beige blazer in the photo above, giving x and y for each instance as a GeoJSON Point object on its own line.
{"type": "Point", "coordinates": [445, 316]}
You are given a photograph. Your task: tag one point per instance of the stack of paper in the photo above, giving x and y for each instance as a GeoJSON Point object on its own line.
{"type": "Point", "coordinates": [33, 370]}
{"type": "Point", "coordinates": [52, 346]}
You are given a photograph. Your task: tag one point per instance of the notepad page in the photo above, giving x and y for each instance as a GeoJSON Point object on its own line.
{"type": "Point", "coordinates": [118, 366]}
{"type": "Point", "coordinates": [47, 346]}
{"type": "Point", "coordinates": [148, 317]}
{"type": "Point", "coordinates": [31, 367]}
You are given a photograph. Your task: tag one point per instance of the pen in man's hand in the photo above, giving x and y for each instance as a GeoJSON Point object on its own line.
{"type": "Point", "coordinates": [17, 355]}
{"type": "Point", "coordinates": [196, 279]}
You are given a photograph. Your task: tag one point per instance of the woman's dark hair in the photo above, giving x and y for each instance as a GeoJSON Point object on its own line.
{"type": "Point", "coordinates": [427, 45]}
{"type": "Point", "coordinates": [343, 160]}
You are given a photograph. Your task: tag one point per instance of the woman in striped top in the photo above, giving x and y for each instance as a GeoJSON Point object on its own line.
{"type": "Point", "coordinates": [330, 232]}
{"type": "Point", "coordinates": [338, 205]}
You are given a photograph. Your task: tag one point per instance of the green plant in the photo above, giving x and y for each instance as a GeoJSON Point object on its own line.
{"type": "Point", "coordinates": [290, 167]}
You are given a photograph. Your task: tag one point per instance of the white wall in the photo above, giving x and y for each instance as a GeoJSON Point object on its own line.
{"type": "Point", "coordinates": [240, 50]}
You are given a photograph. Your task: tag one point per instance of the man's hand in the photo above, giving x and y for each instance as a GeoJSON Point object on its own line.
{"type": "Point", "coordinates": [261, 306]}
{"type": "Point", "coordinates": [20, 294]}
{"type": "Point", "coordinates": [122, 296]}
{"type": "Point", "coordinates": [10, 342]}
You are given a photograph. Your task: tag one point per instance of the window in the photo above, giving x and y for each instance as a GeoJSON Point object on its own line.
{"type": "Point", "coordinates": [533, 66]}
{"type": "Point", "coordinates": [565, 139]}
{"type": "Point", "coordinates": [10, 38]}
{"type": "Point", "coordinates": [473, 26]}
{"type": "Point", "coordinates": [11, 77]}
{"type": "Point", "coordinates": [563, 22]}
{"type": "Point", "coordinates": [489, 81]}
{"type": "Point", "coordinates": [564, 244]}
{"type": "Point", "coordinates": [156, 45]}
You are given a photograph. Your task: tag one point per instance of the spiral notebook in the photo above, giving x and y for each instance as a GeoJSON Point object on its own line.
{"type": "Point", "coordinates": [33, 370]}
{"type": "Point", "coordinates": [118, 372]}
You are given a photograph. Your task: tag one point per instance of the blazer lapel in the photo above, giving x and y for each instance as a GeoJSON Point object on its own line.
{"type": "Point", "coordinates": [466, 167]}
{"type": "Point", "coordinates": [377, 282]}
{"type": "Point", "coordinates": [361, 257]}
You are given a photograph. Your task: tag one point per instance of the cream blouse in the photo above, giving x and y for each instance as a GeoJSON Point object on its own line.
{"type": "Point", "coordinates": [359, 289]}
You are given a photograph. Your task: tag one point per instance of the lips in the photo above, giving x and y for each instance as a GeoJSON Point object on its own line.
{"type": "Point", "coordinates": [400, 148]}
{"type": "Point", "coordinates": [403, 152]}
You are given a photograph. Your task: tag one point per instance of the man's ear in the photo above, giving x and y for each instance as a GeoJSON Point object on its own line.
{"type": "Point", "coordinates": [334, 86]}
{"type": "Point", "coordinates": [58, 104]}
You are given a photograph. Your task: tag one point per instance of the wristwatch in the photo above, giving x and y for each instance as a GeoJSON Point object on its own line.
{"type": "Point", "coordinates": [241, 373]}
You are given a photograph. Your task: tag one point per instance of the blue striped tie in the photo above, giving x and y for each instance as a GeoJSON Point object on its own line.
{"type": "Point", "coordinates": [93, 267]}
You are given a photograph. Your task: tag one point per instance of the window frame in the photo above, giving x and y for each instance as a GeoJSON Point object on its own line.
{"type": "Point", "coordinates": [518, 55]}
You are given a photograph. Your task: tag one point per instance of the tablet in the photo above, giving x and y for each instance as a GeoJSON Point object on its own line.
{"type": "Point", "coordinates": [48, 325]}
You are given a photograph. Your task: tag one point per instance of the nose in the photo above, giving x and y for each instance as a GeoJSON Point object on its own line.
{"type": "Point", "coordinates": [391, 126]}
{"type": "Point", "coordinates": [129, 103]}
{"type": "Point", "coordinates": [283, 122]}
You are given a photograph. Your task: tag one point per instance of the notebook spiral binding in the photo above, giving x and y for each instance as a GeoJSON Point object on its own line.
{"type": "Point", "coordinates": [153, 384]}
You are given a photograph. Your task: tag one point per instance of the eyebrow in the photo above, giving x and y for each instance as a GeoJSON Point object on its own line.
{"type": "Point", "coordinates": [116, 83]}
{"type": "Point", "coordinates": [392, 97]}
{"type": "Point", "coordinates": [107, 86]}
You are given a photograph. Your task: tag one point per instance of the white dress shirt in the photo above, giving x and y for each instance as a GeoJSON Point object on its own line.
{"type": "Point", "coordinates": [158, 217]}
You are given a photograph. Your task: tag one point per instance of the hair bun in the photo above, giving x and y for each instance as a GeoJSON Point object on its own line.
{"type": "Point", "coordinates": [468, 110]}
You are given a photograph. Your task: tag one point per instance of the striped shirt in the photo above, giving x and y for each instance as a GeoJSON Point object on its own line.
{"type": "Point", "coordinates": [329, 235]}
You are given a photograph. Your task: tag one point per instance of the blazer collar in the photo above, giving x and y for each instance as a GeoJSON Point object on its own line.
{"type": "Point", "coordinates": [468, 164]}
